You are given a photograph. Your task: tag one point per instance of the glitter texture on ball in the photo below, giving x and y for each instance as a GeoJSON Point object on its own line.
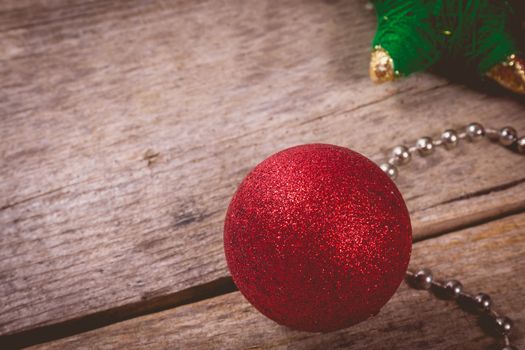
{"type": "Point", "coordinates": [317, 237]}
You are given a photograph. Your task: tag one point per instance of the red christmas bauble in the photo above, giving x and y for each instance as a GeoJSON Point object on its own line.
{"type": "Point", "coordinates": [317, 237]}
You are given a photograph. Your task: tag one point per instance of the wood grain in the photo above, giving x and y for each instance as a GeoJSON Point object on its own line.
{"type": "Point", "coordinates": [126, 126]}
{"type": "Point", "coordinates": [489, 258]}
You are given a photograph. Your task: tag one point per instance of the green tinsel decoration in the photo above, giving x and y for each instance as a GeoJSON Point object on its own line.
{"type": "Point", "coordinates": [419, 33]}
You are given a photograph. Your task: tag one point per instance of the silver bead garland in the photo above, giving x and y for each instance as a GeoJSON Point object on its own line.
{"type": "Point", "coordinates": [402, 155]}
{"type": "Point", "coordinates": [423, 279]}
{"type": "Point", "coordinates": [453, 289]}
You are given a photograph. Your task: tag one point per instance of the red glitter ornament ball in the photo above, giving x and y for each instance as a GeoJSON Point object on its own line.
{"type": "Point", "coordinates": [317, 237]}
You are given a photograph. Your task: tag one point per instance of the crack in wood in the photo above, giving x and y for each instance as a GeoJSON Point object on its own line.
{"type": "Point", "coordinates": [479, 193]}
{"type": "Point", "coordinates": [373, 102]}
{"type": "Point", "coordinates": [148, 304]}
{"type": "Point", "coordinates": [151, 303]}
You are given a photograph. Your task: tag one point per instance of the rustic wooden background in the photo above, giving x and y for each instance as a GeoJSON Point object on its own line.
{"type": "Point", "coordinates": [126, 126]}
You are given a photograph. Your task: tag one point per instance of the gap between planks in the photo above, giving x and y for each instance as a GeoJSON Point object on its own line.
{"type": "Point", "coordinates": [191, 295]}
{"type": "Point", "coordinates": [486, 258]}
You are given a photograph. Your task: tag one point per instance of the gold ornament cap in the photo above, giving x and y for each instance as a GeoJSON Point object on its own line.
{"type": "Point", "coordinates": [510, 74]}
{"type": "Point", "coordinates": [381, 66]}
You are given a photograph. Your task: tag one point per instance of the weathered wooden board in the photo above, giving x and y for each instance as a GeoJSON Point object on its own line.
{"type": "Point", "coordinates": [489, 258]}
{"type": "Point", "coordinates": [125, 127]}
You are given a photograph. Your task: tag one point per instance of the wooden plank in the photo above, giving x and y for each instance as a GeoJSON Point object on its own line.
{"type": "Point", "coordinates": [126, 126]}
{"type": "Point", "coordinates": [487, 258]}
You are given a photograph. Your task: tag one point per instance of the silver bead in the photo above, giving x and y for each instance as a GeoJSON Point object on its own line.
{"type": "Point", "coordinates": [507, 136]}
{"type": "Point", "coordinates": [390, 170]}
{"type": "Point", "coordinates": [483, 301]}
{"type": "Point", "coordinates": [450, 138]}
{"type": "Point", "coordinates": [475, 132]}
{"type": "Point", "coordinates": [401, 155]}
{"type": "Point", "coordinates": [423, 279]}
{"type": "Point", "coordinates": [424, 146]}
{"type": "Point", "coordinates": [453, 288]}
{"type": "Point", "coordinates": [520, 144]}
{"type": "Point", "coordinates": [504, 324]}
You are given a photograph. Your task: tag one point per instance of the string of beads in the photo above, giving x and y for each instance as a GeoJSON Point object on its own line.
{"type": "Point", "coordinates": [425, 146]}
{"type": "Point", "coordinates": [423, 279]}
